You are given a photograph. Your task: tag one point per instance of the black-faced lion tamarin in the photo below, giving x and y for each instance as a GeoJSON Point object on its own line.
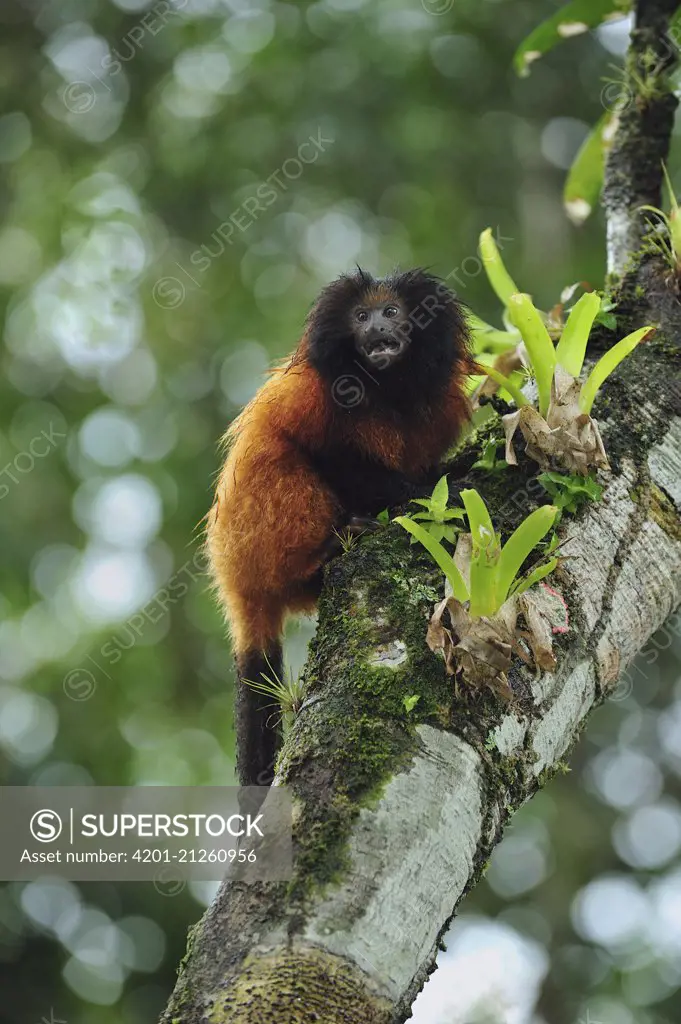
{"type": "Point", "coordinates": [360, 414]}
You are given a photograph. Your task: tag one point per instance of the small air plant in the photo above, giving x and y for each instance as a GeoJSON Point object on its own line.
{"type": "Point", "coordinates": [347, 539]}
{"type": "Point", "coordinates": [436, 518]}
{"type": "Point", "coordinates": [287, 694]}
{"type": "Point", "coordinates": [668, 248]}
{"type": "Point", "coordinates": [561, 432]}
{"type": "Point", "coordinates": [485, 595]}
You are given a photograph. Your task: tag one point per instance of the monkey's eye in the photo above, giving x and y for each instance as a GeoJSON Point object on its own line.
{"type": "Point", "coordinates": [390, 311]}
{"type": "Point", "coordinates": [362, 316]}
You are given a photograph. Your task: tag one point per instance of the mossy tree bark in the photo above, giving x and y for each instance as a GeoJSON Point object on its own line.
{"type": "Point", "coordinates": [645, 121]}
{"type": "Point", "coordinates": [396, 812]}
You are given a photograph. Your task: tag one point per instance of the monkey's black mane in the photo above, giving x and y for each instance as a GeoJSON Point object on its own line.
{"type": "Point", "coordinates": [437, 329]}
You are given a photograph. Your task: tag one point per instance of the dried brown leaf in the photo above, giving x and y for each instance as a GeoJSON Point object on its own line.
{"type": "Point", "coordinates": [539, 634]}
{"type": "Point", "coordinates": [568, 438]}
{"type": "Point", "coordinates": [478, 651]}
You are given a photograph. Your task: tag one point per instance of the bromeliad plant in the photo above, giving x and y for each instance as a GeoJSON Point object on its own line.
{"type": "Point", "coordinates": [569, 492]}
{"type": "Point", "coordinates": [502, 354]}
{"type": "Point", "coordinates": [436, 518]}
{"type": "Point", "coordinates": [560, 432]}
{"type": "Point", "coordinates": [489, 574]}
{"type": "Point", "coordinates": [486, 594]}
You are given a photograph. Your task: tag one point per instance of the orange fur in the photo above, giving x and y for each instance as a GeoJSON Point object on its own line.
{"type": "Point", "coordinates": [273, 515]}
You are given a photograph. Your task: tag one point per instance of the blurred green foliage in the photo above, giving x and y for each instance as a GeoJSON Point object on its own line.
{"type": "Point", "coordinates": [178, 181]}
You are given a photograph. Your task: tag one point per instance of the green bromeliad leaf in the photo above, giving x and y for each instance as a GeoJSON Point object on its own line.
{"type": "Point", "coordinates": [572, 19]}
{"type": "Point", "coordinates": [609, 362]}
{"type": "Point", "coordinates": [485, 338]}
{"type": "Point", "coordinates": [540, 573]}
{"type": "Point", "coordinates": [571, 348]}
{"type": "Point", "coordinates": [439, 554]}
{"type": "Point", "coordinates": [484, 555]}
{"type": "Point", "coordinates": [538, 343]}
{"type": "Point", "coordinates": [522, 541]}
{"type": "Point", "coordinates": [569, 491]}
{"type": "Point", "coordinates": [510, 386]}
{"type": "Point", "coordinates": [440, 497]}
{"type": "Point", "coordinates": [497, 274]}
{"type": "Point", "coordinates": [585, 178]}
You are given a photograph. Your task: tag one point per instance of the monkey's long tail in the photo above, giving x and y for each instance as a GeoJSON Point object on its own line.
{"type": "Point", "coordinates": [258, 717]}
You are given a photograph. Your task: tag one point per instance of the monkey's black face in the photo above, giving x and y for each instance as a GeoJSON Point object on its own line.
{"type": "Point", "coordinates": [381, 331]}
{"type": "Point", "coordinates": [400, 337]}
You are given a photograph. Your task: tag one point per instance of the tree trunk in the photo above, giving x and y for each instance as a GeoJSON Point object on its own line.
{"type": "Point", "coordinates": [397, 812]}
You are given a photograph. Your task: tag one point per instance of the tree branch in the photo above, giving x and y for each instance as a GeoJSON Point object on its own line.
{"type": "Point", "coordinates": [396, 812]}
{"type": "Point", "coordinates": [644, 124]}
